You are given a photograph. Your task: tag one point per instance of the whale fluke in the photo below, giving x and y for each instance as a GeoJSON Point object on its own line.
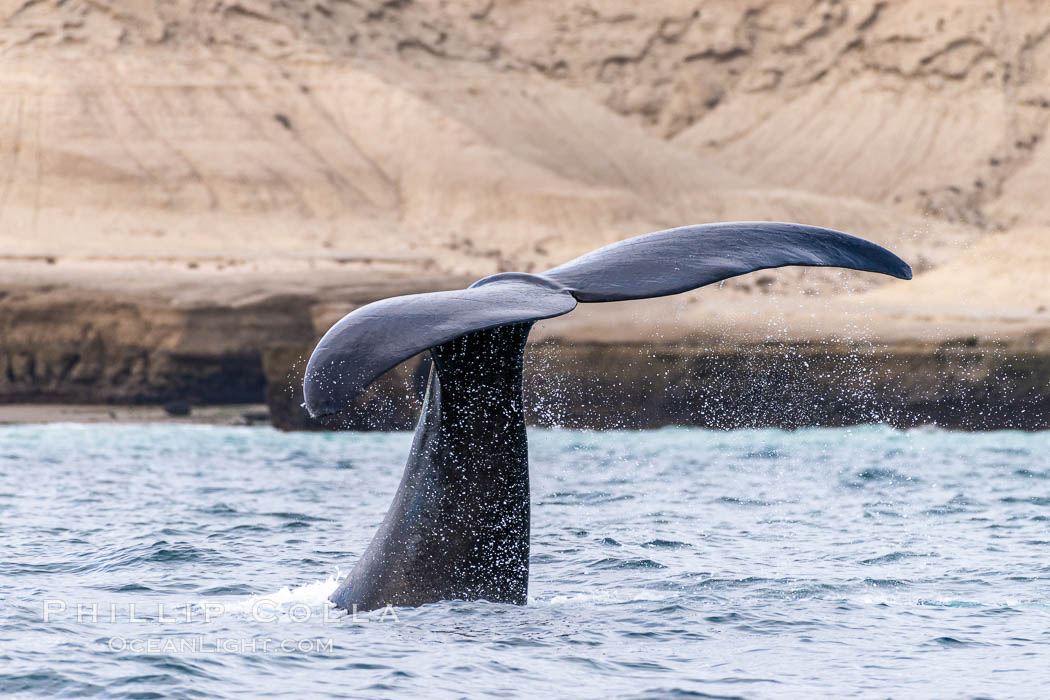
{"type": "Point", "coordinates": [458, 527]}
{"type": "Point", "coordinates": [377, 337]}
{"type": "Point", "coordinates": [680, 259]}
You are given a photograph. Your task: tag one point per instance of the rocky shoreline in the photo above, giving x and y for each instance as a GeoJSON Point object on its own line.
{"type": "Point", "coordinates": [619, 387]}
{"type": "Point", "coordinates": [960, 385]}
{"type": "Point", "coordinates": [59, 349]}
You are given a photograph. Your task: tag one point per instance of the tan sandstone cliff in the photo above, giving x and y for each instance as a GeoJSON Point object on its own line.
{"type": "Point", "coordinates": [189, 186]}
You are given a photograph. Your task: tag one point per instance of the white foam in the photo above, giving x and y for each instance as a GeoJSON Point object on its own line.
{"type": "Point", "coordinates": [945, 602]}
{"type": "Point", "coordinates": [314, 595]}
{"type": "Point", "coordinates": [600, 596]}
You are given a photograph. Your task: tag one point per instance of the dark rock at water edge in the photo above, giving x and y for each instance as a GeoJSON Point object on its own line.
{"type": "Point", "coordinates": [178, 408]}
{"type": "Point", "coordinates": [76, 351]}
{"type": "Point", "coordinates": [954, 385]}
{"type": "Point", "coordinates": [59, 348]}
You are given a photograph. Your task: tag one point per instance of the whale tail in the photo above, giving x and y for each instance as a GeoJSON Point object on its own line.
{"type": "Point", "coordinates": [459, 523]}
{"type": "Point", "coordinates": [375, 338]}
{"type": "Point", "coordinates": [458, 527]}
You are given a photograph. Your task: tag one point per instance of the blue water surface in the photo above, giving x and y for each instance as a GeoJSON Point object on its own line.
{"type": "Point", "coordinates": [194, 561]}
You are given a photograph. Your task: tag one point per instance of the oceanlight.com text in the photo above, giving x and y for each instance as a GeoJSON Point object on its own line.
{"type": "Point", "coordinates": [219, 645]}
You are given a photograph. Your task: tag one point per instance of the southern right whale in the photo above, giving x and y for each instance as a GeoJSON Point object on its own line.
{"type": "Point", "coordinates": [458, 527]}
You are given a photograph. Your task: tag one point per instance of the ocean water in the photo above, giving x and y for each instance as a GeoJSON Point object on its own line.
{"type": "Point", "coordinates": [182, 561]}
